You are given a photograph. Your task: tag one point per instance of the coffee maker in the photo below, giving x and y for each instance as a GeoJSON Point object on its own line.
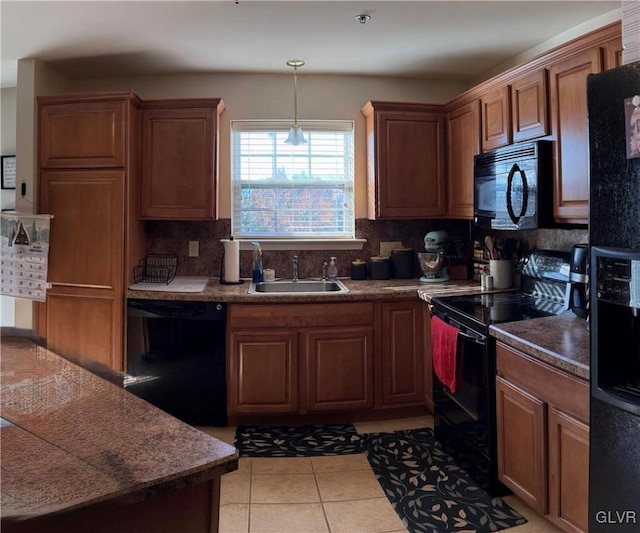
{"type": "Point", "coordinates": [579, 280]}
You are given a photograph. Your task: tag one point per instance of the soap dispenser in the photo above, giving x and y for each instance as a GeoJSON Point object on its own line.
{"type": "Point", "coordinates": [332, 270]}
{"type": "Point", "coordinates": [257, 274]}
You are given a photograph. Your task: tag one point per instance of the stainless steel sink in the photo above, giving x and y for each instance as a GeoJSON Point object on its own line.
{"type": "Point", "coordinates": [301, 287]}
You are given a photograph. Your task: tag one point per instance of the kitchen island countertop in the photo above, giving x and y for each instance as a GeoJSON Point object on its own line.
{"type": "Point", "coordinates": [71, 440]}
{"type": "Point", "coordinates": [561, 340]}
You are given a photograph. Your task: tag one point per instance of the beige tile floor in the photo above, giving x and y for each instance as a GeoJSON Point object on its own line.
{"type": "Point", "coordinates": [330, 494]}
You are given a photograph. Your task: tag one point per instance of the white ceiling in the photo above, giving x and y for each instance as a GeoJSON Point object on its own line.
{"type": "Point", "coordinates": [457, 40]}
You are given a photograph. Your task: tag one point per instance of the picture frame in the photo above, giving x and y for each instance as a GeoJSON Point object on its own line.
{"type": "Point", "coordinates": [8, 172]}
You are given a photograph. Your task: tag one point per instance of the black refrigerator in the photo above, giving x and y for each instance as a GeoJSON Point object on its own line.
{"type": "Point", "coordinates": [614, 239]}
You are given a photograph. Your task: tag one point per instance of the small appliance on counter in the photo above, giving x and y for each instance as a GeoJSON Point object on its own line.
{"type": "Point", "coordinates": [579, 279]}
{"type": "Point", "coordinates": [433, 261]}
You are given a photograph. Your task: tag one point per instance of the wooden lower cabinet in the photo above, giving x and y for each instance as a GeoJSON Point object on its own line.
{"type": "Point", "coordinates": [568, 467]}
{"type": "Point", "coordinates": [543, 437]}
{"type": "Point", "coordinates": [402, 335]}
{"type": "Point", "coordinates": [299, 359]}
{"type": "Point", "coordinates": [339, 369]}
{"type": "Point", "coordinates": [427, 363]}
{"type": "Point", "coordinates": [263, 372]}
{"type": "Point", "coordinates": [521, 444]}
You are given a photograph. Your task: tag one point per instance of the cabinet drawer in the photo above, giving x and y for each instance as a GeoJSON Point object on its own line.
{"type": "Point", "coordinates": [558, 388]}
{"type": "Point", "coordinates": [300, 315]}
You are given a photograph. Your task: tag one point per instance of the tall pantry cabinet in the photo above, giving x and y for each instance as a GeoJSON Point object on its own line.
{"type": "Point", "coordinates": [87, 179]}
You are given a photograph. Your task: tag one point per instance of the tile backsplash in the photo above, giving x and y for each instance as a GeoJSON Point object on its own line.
{"type": "Point", "coordinates": [172, 237]}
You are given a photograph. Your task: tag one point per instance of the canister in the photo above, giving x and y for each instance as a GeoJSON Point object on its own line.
{"type": "Point", "coordinates": [402, 262]}
{"type": "Point", "coordinates": [358, 269]}
{"type": "Point", "coordinates": [379, 267]}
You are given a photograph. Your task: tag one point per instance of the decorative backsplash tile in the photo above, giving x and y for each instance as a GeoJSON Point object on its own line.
{"type": "Point", "coordinates": [172, 237]}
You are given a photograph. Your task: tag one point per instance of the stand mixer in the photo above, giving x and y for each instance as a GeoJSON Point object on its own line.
{"type": "Point", "coordinates": [433, 261]}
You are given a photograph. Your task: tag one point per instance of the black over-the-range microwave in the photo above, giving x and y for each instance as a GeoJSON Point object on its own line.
{"type": "Point", "coordinates": [513, 187]}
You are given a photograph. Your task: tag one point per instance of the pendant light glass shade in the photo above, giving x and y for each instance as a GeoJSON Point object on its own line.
{"type": "Point", "coordinates": [296, 135]}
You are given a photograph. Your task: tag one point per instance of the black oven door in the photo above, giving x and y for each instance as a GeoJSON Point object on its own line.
{"type": "Point", "coordinates": [464, 420]}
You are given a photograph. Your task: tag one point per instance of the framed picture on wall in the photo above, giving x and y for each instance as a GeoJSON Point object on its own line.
{"type": "Point", "coordinates": [8, 171]}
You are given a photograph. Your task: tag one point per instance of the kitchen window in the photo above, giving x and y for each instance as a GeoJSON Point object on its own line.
{"type": "Point", "coordinates": [281, 191]}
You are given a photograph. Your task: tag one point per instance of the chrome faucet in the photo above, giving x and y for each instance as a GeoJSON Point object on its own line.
{"type": "Point", "coordinates": [294, 267]}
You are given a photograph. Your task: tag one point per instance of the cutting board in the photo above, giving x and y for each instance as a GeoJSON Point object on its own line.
{"type": "Point", "coordinates": [178, 284]}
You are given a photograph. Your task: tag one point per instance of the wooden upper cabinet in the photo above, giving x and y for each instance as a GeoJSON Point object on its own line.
{"type": "Point", "coordinates": [612, 53]}
{"type": "Point", "coordinates": [180, 159]}
{"type": "Point", "coordinates": [82, 134]}
{"type": "Point", "coordinates": [463, 135]}
{"type": "Point", "coordinates": [87, 228]}
{"type": "Point", "coordinates": [529, 109]}
{"type": "Point", "coordinates": [496, 122]}
{"type": "Point", "coordinates": [568, 96]}
{"type": "Point", "coordinates": [405, 160]}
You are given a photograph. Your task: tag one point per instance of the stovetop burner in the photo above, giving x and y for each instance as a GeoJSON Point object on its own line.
{"type": "Point", "coordinates": [494, 308]}
{"type": "Point", "coordinates": [543, 292]}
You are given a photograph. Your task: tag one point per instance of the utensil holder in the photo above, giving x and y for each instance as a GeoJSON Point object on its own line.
{"type": "Point", "coordinates": [502, 272]}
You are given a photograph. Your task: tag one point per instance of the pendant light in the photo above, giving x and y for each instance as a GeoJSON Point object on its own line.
{"type": "Point", "coordinates": [296, 135]}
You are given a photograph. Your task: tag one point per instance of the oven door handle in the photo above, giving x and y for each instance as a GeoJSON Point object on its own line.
{"type": "Point", "coordinates": [481, 341]}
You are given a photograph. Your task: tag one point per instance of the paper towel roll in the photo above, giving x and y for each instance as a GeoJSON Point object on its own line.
{"type": "Point", "coordinates": [231, 260]}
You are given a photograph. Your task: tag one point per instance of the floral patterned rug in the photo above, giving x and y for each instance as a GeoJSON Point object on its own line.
{"type": "Point", "coordinates": [430, 492]}
{"type": "Point", "coordinates": [428, 489]}
{"type": "Point", "coordinates": [297, 441]}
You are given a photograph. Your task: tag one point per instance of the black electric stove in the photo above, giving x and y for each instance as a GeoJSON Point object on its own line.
{"type": "Point", "coordinates": [465, 419]}
{"type": "Point", "coordinates": [544, 291]}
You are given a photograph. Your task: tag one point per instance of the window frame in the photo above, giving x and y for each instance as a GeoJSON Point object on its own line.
{"type": "Point", "coordinates": [322, 240]}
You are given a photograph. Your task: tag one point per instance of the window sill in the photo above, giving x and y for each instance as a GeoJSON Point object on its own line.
{"type": "Point", "coordinates": [304, 244]}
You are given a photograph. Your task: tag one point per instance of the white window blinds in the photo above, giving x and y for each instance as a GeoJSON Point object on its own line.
{"type": "Point", "coordinates": [285, 191]}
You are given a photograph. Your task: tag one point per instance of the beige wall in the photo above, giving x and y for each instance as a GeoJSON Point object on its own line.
{"type": "Point", "coordinates": [7, 197]}
{"type": "Point", "coordinates": [34, 79]}
{"type": "Point", "coordinates": [270, 96]}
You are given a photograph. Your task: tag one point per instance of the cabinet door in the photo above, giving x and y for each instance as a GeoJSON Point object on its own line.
{"type": "Point", "coordinates": [178, 176]}
{"type": "Point", "coordinates": [612, 52]}
{"type": "Point", "coordinates": [568, 471]}
{"type": "Point", "coordinates": [82, 135]}
{"type": "Point", "coordinates": [85, 324]}
{"type": "Point", "coordinates": [87, 228]}
{"type": "Point", "coordinates": [406, 172]}
{"type": "Point", "coordinates": [463, 143]}
{"type": "Point", "coordinates": [83, 314]}
{"type": "Point", "coordinates": [428, 359]}
{"type": "Point", "coordinates": [402, 353]}
{"type": "Point", "coordinates": [522, 462]}
{"type": "Point", "coordinates": [496, 119]}
{"type": "Point", "coordinates": [339, 369]}
{"type": "Point", "coordinates": [568, 94]}
{"type": "Point", "coordinates": [529, 110]}
{"type": "Point", "coordinates": [262, 375]}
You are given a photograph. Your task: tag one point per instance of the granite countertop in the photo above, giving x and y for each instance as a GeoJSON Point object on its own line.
{"type": "Point", "coordinates": [358, 290]}
{"type": "Point", "coordinates": [561, 340]}
{"type": "Point", "coordinates": [71, 439]}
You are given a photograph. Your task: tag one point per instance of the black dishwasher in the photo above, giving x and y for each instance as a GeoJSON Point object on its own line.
{"type": "Point", "coordinates": [176, 358]}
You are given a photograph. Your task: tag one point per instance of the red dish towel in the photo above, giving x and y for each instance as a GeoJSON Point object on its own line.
{"type": "Point", "coordinates": [444, 346]}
